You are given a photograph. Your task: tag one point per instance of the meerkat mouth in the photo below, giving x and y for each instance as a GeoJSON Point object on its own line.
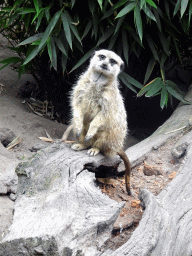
{"type": "Point", "coordinates": [99, 77]}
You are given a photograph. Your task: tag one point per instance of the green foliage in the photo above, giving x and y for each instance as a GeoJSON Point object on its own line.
{"type": "Point", "coordinates": [60, 30]}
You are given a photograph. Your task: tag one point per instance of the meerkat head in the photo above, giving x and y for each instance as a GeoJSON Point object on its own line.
{"type": "Point", "coordinates": [106, 62]}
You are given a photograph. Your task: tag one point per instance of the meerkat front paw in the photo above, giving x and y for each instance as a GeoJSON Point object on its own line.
{"type": "Point", "coordinates": [93, 151]}
{"type": "Point", "coordinates": [78, 147]}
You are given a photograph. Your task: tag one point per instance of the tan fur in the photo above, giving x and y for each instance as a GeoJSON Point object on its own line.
{"type": "Point", "coordinates": [99, 118]}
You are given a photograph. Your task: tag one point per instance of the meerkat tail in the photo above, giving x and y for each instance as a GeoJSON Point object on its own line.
{"type": "Point", "coordinates": [127, 164]}
{"type": "Point", "coordinates": [66, 133]}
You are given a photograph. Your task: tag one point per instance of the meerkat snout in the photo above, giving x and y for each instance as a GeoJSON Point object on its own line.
{"type": "Point", "coordinates": [104, 66]}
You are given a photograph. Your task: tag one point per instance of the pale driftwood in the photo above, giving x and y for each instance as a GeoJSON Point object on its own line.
{"type": "Point", "coordinates": [61, 211]}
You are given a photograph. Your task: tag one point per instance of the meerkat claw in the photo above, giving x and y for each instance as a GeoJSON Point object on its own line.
{"type": "Point", "coordinates": [78, 147]}
{"type": "Point", "coordinates": [93, 151]}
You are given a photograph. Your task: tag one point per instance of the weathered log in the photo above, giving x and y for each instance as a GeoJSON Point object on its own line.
{"type": "Point", "coordinates": [60, 210]}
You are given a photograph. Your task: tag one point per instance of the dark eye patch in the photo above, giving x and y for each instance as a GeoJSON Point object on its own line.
{"type": "Point", "coordinates": [102, 57]}
{"type": "Point", "coordinates": [112, 62]}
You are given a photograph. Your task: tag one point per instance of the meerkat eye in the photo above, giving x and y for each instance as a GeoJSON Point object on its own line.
{"type": "Point", "coordinates": [102, 57]}
{"type": "Point", "coordinates": [112, 62]}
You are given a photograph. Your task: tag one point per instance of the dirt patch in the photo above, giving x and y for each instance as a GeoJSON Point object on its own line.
{"type": "Point", "coordinates": [154, 174]}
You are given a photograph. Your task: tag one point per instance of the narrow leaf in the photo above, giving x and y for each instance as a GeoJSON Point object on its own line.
{"type": "Point", "coordinates": [151, 3]}
{"type": "Point", "coordinates": [106, 35]}
{"type": "Point", "coordinates": [155, 87]}
{"type": "Point", "coordinates": [138, 21]}
{"type": "Point", "coordinates": [119, 23]}
{"type": "Point", "coordinates": [177, 6]}
{"type": "Point", "coordinates": [64, 62]}
{"type": "Point", "coordinates": [184, 4]}
{"type": "Point", "coordinates": [32, 55]}
{"type": "Point", "coordinates": [60, 45]}
{"type": "Point", "coordinates": [50, 28]}
{"type": "Point", "coordinates": [131, 80]}
{"type": "Point", "coordinates": [145, 88]}
{"type": "Point", "coordinates": [87, 28]}
{"type": "Point", "coordinates": [165, 43]}
{"type": "Point", "coordinates": [10, 60]}
{"type": "Point", "coordinates": [164, 97]}
{"type": "Point", "coordinates": [123, 79]}
{"type": "Point", "coordinates": [82, 60]}
{"type": "Point", "coordinates": [100, 3]}
{"type": "Point", "coordinates": [125, 46]}
{"type": "Point", "coordinates": [54, 54]}
{"type": "Point", "coordinates": [149, 13]}
{"type": "Point", "coordinates": [125, 10]}
{"type": "Point", "coordinates": [174, 90]}
{"type": "Point", "coordinates": [36, 4]}
{"type": "Point", "coordinates": [31, 39]}
{"type": "Point", "coordinates": [152, 47]}
{"type": "Point", "coordinates": [66, 18]}
{"type": "Point", "coordinates": [149, 69]}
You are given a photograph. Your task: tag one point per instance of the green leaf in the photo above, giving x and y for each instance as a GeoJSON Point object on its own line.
{"type": "Point", "coordinates": [120, 3]}
{"type": "Point", "coordinates": [151, 3]}
{"type": "Point", "coordinates": [10, 60]}
{"type": "Point", "coordinates": [33, 54]}
{"type": "Point", "coordinates": [145, 88]}
{"type": "Point", "coordinates": [82, 60]}
{"type": "Point", "coordinates": [125, 10]}
{"type": "Point", "coordinates": [190, 12]}
{"type": "Point", "coordinates": [66, 27]}
{"type": "Point", "coordinates": [36, 4]}
{"type": "Point", "coordinates": [119, 23]}
{"type": "Point", "coordinates": [155, 87]}
{"type": "Point", "coordinates": [174, 90]}
{"type": "Point", "coordinates": [49, 48]}
{"type": "Point", "coordinates": [100, 2]}
{"type": "Point", "coordinates": [39, 19]}
{"type": "Point", "coordinates": [72, 3]}
{"type": "Point", "coordinates": [164, 97]}
{"type": "Point", "coordinates": [54, 54]}
{"type": "Point", "coordinates": [112, 41]}
{"type": "Point", "coordinates": [87, 28]}
{"type": "Point", "coordinates": [106, 35]}
{"type": "Point", "coordinates": [138, 21]}
{"type": "Point", "coordinates": [18, 2]}
{"type": "Point", "coordinates": [124, 80]}
{"type": "Point", "coordinates": [165, 43]}
{"type": "Point", "coordinates": [75, 32]}
{"type": "Point", "coordinates": [125, 46]}
{"type": "Point", "coordinates": [50, 28]}
{"type": "Point", "coordinates": [60, 45]}
{"type": "Point", "coordinates": [31, 39]}
{"type": "Point", "coordinates": [184, 4]}
{"type": "Point", "coordinates": [64, 62]}
{"type": "Point", "coordinates": [152, 47]}
{"type": "Point", "coordinates": [149, 69]}
{"type": "Point", "coordinates": [177, 6]}
{"type": "Point", "coordinates": [149, 13]}
{"type": "Point", "coordinates": [131, 80]}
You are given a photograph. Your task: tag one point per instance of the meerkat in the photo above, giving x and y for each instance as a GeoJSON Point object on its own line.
{"type": "Point", "coordinates": [99, 119]}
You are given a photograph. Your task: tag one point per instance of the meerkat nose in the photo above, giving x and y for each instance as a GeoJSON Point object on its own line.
{"type": "Point", "coordinates": [104, 66]}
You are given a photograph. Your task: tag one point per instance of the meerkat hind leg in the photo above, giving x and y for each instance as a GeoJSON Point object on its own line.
{"type": "Point", "coordinates": [93, 151]}
{"type": "Point", "coordinates": [78, 147]}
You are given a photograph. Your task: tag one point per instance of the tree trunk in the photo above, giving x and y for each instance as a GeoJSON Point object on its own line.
{"type": "Point", "coordinates": [60, 210]}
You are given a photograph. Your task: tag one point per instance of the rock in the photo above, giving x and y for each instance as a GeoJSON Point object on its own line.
{"type": "Point", "coordinates": [172, 175]}
{"type": "Point", "coordinates": [59, 208]}
{"type": "Point", "coordinates": [136, 203]}
{"type": "Point", "coordinates": [151, 170]}
{"type": "Point", "coordinates": [8, 177]}
{"type": "Point", "coordinates": [6, 214]}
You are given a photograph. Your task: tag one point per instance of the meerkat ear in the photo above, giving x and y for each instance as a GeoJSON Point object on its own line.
{"type": "Point", "coordinates": [122, 66]}
{"type": "Point", "coordinates": [92, 54]}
